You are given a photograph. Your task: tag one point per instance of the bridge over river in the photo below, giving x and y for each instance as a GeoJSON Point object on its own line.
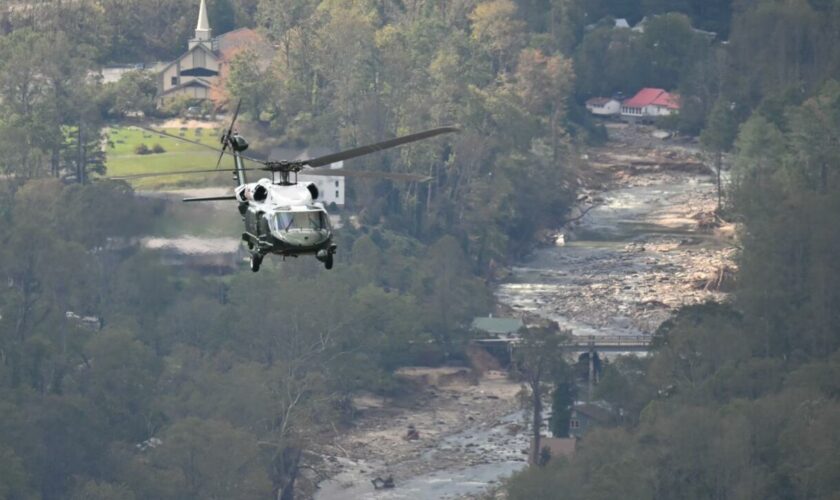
{"type": "Point", "coordinates": [579, 344]}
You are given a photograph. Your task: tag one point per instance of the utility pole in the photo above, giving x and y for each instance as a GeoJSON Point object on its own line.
{"type": "Point", "coordinates": [591, 368]}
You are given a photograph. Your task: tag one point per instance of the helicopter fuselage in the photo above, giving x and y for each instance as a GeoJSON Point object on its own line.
{"type": "Point", "coordinates": [284, 219]}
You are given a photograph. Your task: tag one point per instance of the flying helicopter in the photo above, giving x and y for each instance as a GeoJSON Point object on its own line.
{"type": "Point", "coordinates": [281, 215]}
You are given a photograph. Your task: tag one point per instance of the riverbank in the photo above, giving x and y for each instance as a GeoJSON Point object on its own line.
{"type": "Point", "coordinates": [469, 433]}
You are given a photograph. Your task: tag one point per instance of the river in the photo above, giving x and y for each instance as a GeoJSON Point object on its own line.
{"type": "Point", "coordinates": [633, 258]}
{"type": "Point", "coordinates": [637, 254]}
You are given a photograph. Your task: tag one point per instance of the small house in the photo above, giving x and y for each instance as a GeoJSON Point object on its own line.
{"type": "Point", "coordinates": [586, 415]}
{"type": "Point", "coordinates": [603, 106]}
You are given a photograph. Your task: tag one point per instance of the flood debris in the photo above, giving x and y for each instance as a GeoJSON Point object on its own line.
{"type": "Point", "coordinates": [648, 242]}
{"type": "Point", "coordinates": [383, 484]}
{"type": "Point", "coordinates": [412, 433]}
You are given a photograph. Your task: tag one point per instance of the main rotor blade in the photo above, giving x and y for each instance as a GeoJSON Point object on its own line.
{"type": "Point", "coordinates": [221, 155]}
{"type": "Point", "coordinates": [179, 138]}
{"type": "Point", "coordinates": [379, 146]}
{"type": "Point", "coordinates": [235, 114]}
{"type": "Point", "coordinates": [178, 172]}
{"type": "Point", "coordinates": [226, 138]}
{"type": "Point", "coordinates": [211, 198]}
{"type": "Point", "coordinates": [341, 172]}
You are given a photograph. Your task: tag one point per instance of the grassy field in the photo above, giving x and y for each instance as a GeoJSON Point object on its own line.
{"type": "Point", "coordinates": [122, 159]}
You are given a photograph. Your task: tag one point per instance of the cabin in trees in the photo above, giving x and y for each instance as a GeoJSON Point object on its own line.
{"type": "Point", "coordinates": [650, 103]}
{"type": "Point", "coordinates": [585, 415]}
{"type": "Point", "coordinates": [200, 72]}
{"type": "Point", "coordinates": [603, 106]}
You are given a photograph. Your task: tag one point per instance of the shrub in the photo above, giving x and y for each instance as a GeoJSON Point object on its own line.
{"type": "Point", "coordinates": [157, 149]}
{"type": "Point", "coordinates": [141, 149]}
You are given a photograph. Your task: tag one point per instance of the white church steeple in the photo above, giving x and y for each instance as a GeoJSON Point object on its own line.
{"type": "Point", "coordinates": [203, 33]}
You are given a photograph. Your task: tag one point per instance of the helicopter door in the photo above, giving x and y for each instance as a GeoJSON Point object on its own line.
{"type": "Point", "coordinates": [262, 226]}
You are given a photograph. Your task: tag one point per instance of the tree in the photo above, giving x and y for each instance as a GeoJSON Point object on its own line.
{"type": "Point", "coordinates": [563, 398]}
{"type": "Point", "coordinates": [672, 47]}
{"type": "Point", "coordinates": [761, 147]}
{"type": "Point", "coordinates": [815, 139]}
{"type": "Point", "coordinates": [537, 356]}
{"type": "Point", "coordinates": [251, 83]}
{"type": "Point", "coordinates": [717, 137]}
{"type": "Point", "coordinates": [95, 490]}
{"type": "Point", "coordinates": [545, 84]}
{"type": "Point", "coordinates": [120, 379]}
{"type": "Point", "coordinates": [211, 459]}
{"type": "Point", "coordinates": [495, 27]}
{"type": "Point", "coordinates": [134, 91]}
{"type": "Point", "coordinates": [14, 481]}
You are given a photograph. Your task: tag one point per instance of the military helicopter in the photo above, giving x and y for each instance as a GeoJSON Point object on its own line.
{"type": "Point", "coordinates": [284, 217]}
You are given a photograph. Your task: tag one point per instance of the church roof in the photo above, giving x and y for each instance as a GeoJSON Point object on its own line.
{"type": "Point", "coordinates": [197, 82]}
{"type": "Point", "coordinates": [198, 46]}
{"type": "Point", "coordinates": [203, 22]}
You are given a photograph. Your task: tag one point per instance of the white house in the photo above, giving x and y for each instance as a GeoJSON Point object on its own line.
{"type": "Point", "coordinates": [603, 106]}
{"type": "Point", "coordinates": [331, 188]}
{"type": "Point", "coordinates": [650, 103]}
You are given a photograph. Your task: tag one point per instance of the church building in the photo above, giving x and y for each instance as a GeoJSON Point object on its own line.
{"type": "Point", "coordinates": [200, 72]}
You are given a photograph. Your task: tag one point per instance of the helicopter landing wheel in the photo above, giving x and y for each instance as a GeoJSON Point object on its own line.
{"type": "Point", "coordinates": [256, 260]}
{"type": "Point", "coordinates": [328, 262]}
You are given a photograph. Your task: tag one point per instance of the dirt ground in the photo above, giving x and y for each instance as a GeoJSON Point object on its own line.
{"type": "Point", "coordinates": [463, 421]}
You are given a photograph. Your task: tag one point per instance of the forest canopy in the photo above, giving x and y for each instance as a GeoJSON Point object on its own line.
{"type": "Point", "coordinates": [121, 378]}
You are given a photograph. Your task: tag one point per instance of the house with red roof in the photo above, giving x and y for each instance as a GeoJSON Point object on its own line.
{"type": "Point", "coordinates": [650, 103]}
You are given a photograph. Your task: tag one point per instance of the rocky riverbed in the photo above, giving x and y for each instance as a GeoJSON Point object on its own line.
{"type": "Point", "coordinates": [644, 242]}
{"type": "Point", "coordinates": [469, 434]}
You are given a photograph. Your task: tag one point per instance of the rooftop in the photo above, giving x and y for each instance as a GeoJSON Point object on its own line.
{"type": "Point", "coordinates": [497, 325]}
{"type": "Point", "coordinates": [652, 96]}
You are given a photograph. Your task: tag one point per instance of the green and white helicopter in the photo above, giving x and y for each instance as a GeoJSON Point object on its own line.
{"type": "Point", "coordinates": [281, 215]}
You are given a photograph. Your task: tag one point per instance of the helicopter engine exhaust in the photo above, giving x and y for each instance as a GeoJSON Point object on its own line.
{"type": "Point", "coordinates": [258, 193]}
{"type": "Point", "coordinates": [313, 190]}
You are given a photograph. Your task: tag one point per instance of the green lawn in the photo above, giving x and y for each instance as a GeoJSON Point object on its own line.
{"type": "Point", "coordinates": [122, 159]}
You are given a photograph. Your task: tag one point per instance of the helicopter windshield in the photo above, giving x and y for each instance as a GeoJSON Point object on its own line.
{"type": "Point", "coordinates": [286, 221]}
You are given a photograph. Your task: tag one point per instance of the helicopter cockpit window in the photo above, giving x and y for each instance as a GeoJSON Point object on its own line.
{"type": "Point", "coordinates": [287, 221]}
